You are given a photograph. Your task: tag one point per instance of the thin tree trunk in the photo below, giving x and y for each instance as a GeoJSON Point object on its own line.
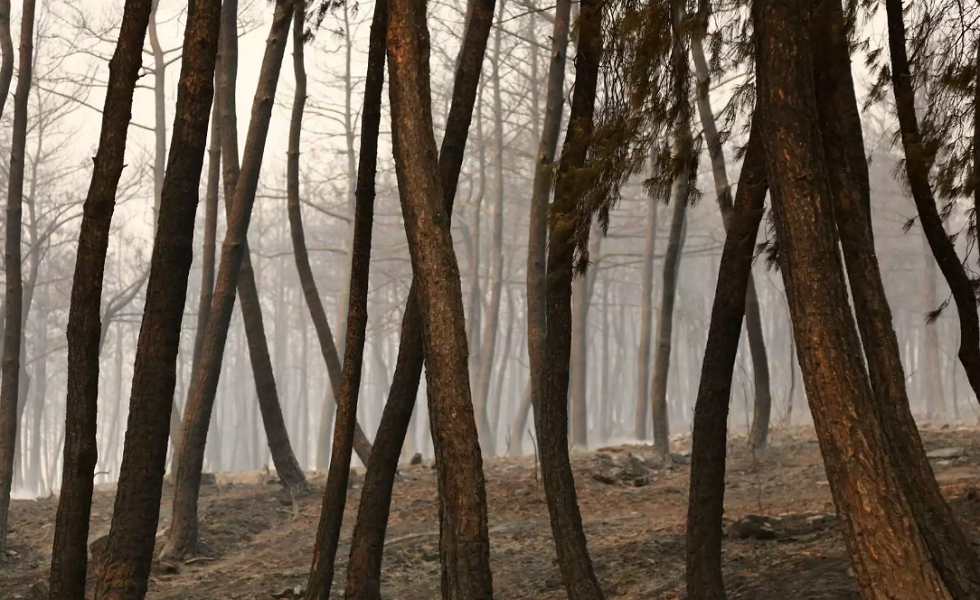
{"type": "Point", "coordinates": [14, 295]}
{"type": "Point", "coordinates": [367, 545]}
{"type": "Point", "coordinates": [515, 447]}
{"type": "Point", "coordinates": [7, 49]}
{"type": "Point", "coordinates": [935, 400]}
{"type": "Point", "coordinates": [489, 338]}
{"type": "Point", "coordinates": [917, 169]}
{"type": "Point", "coordinates": [706, 500]}
{"type": "Point", "coordinates": [70, 549]}
{"type": "Point", "coordinates": [137, 508]}
{"type": "Point", "coordinates": [890, 558]}
{"type": "Point", "coordinates": [646, 323]}
{"type": "Point", "coordinates": [945, 545]}
{"type": "Point", "coordinates": [582, 289]}
{"type": "Point", "coordinates": [183, 533]}
{"type": "Point", "coordinates": [335, 495]}
{"type": "Point", "coordinates": [210, 234]}
{"type": "Point", "coordinates": [549, 373]}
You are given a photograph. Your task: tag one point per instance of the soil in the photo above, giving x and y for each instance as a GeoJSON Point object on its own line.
{"type": "Point", "coordinates": [257, 540]}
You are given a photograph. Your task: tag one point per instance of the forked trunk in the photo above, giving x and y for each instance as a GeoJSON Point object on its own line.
{"type": "Point", "coordinates": [69, 553]}
{"type": "Point", "coordinates": [137, 507]}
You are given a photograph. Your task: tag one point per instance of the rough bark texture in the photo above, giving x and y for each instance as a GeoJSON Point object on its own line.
{"type": "Point", "coordinates": [889, 554]}
{"type": "Point", "coordinates": [917, 171]}
{"type": "Point", "coordinates": [551, 381]}
{"type": "Point", "coordinates": [367, 545]}
{"type": "Point", "coordinates": [70, 549]}
{"type": "Point", "coordinates": [335, 495]}
{"type": "Point", "coordinates": [126, 565]}
{"type": "Point", "coordinates": [646, 324]}
{"type": "Point", "coordinates": [7, 50]}
{"type": "Point", "coordinates": [183, 534]}
{"type": "Point", "coordinates": [706, 500]}
{"type": "Point", "coordinates": [945, 545]}
{"type": "Point", "coordinates": [464, 543]}
{"type": "Point", "coordinates": [10, 370]}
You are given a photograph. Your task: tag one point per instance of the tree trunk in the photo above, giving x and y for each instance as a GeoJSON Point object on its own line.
{"type": "Point", "coordinates": [14, 296]}
{"type": "Point", "coordinates": [464, 538]}
{"type": "Point", "coordinates": [758, 436]}
{"type": "Point", "coordinates": [917, 170]}
{"type": "Point", "coordinates": [935, 401]}
{"type": "Point", "coordinates": [137, 508]}
{"type": "Point", "coordinates": [550, 370]}
{"type": "Point", "coordinates": [946, 547]}
{"type": "Point", "coordinates": [706, 500]}
{"type": "Point", "coordinates": [582, 289]}
{"type": "Point", "coordinates": [182, 539]}
{"type": "Point", "coordinates": [335, 495]}
{"type": "Point", "coordinates": [646, 323]}
{"type": "Point", "coordinates": [70, 549]}
{"type": "Point", "coordinates": [7, 50]}
{"type": "Point", "coordinates": [367, 545]}
{"type": "Point", "coordinates": [890, 558]}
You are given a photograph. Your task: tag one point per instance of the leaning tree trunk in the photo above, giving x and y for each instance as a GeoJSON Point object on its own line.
{"type": "Point", "coordinates": [646, 323]}
{"type": "Point", "coordinates": [70, 549]}
{"type": "Point", "coordinates": [684, 146]}
{"type": "Point", "coordinates": [14, 295]}
{"type": "Point", "coordinates": [367, 545]}
{"type": "Point", "coordinates": [762, 409]}
{"type": "Point", "coordinates": [183, 534]}
{"type": "Point", "coordinates": [550, 380]}
{"type": "Point", "coordinates": [917, 170]}
{"type": "Point", "coordinates": [137, 508]}
{"type": "Point", "coordinates": [945, 545]}
{"type": "Point", "coordinates": [464, 542]}
{"type": "Point", "coordinates": [891, 559]}
{"type": "Point", "coordinates": [706, 501]}
{"type": "Point", "coordinates": [335, 495]}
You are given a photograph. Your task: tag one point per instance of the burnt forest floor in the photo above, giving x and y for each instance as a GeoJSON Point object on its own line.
{"type": "Point", "coordinates": [257, 541]}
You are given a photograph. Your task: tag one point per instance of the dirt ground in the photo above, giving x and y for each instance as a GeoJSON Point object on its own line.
{"type": "Point", "coordinates": [256, 542]}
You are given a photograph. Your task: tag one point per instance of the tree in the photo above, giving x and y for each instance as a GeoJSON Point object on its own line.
{"type": "Point", "coordinates": [367, 545]}
{"type": "Point", "coordinates": [646, 323]}
{"type": "Point", "coordinates": [183, 535]}
{"type": "Point", "coordinates": [464, 538]}
{"type": "Point", "coordinates": [85, 331]}
{"type": "Point", "coordinates": [890, 559]}
{"type": "Point", "coordinates": [550, 382]}
{"type": "Point", "coordinates": [137, 508]}
{"type": "Point", "coordinates": [10, 370]}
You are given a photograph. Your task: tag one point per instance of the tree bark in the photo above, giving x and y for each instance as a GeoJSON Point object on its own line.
{"type": "Point", "coordinates": [70, 549]}
{"type": "Point", "coordinates": [464, 538]}
{"type": "Point", "coordinates": [137, 508]}
{"type": "Point", "coordinates": [550, 372]}
{"type": "Point", "coordinates": [890, 558]}
{"type": "Point", "coordinates": [917, 171]}
{"type": "Point", "coordinates": [945, 545]}
{"type": "Point", "coordinates": [7, 50]}
{"type": "Point", "coordinates": [183, 534]}
{"type": "Point", "coordinates": [367, 545]}
{"type": "Point", "coordinates": [706, 500]}
{"type": "Point", "coordinates": [335, 495]}
{"type": "Point", "coordinates": [14, 294]}
{"type": "Point", "coordinates": [935, 400]}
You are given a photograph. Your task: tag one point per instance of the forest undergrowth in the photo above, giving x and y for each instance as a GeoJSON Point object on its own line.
{"type": "Point", "coordinates": [782, 539]}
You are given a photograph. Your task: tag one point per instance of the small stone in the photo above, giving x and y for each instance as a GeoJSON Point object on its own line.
{"type": "Point", "coordinates": [753, 526]}
{"type": "Point", "coordinates": [417, 459]}
{"type": "Point", "coordinates": [641, 482]}
{"type": "Point", "coordinates": [637, 465]}
{"type": "Point", "coordinates": [681, 458]}
{"type": "Point", "coordinates": [208, 479]}
{"type": "Point", "coordinates": [947, 453]}
{"type": "Point", "coordinates": [820, 521]}
{"type": "Point", "coordinates": [603, 478]}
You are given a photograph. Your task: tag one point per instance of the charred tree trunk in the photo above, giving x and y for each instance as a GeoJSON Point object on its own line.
{"type": "Point", "coordinates": [550, 381]}
{"type": "Point", "coordinates": [917, 170]}
{"type": "Point", "coordinates": [891, 559]}
{"type": "Point", "coordinates": [10, 370]}
{"type": "Point", "coordinates": [367, 545]}
{"type": "Point", "coordinates": [706, 501]}
{"type": "Point", "coordinates": [182, 539]}
{"type": "Point", "coordinates": [137, 508]}
{"type": "Point", "coordinates": [7, 50]}
{"type": "Point", "coordinates": [464, 543]}
{"type": "Point", "coordinates": [70, 549]}
{"type": "Point", "coordinates": [945, 545]}
{"type": "Point", "coordinates": [335, 495]}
